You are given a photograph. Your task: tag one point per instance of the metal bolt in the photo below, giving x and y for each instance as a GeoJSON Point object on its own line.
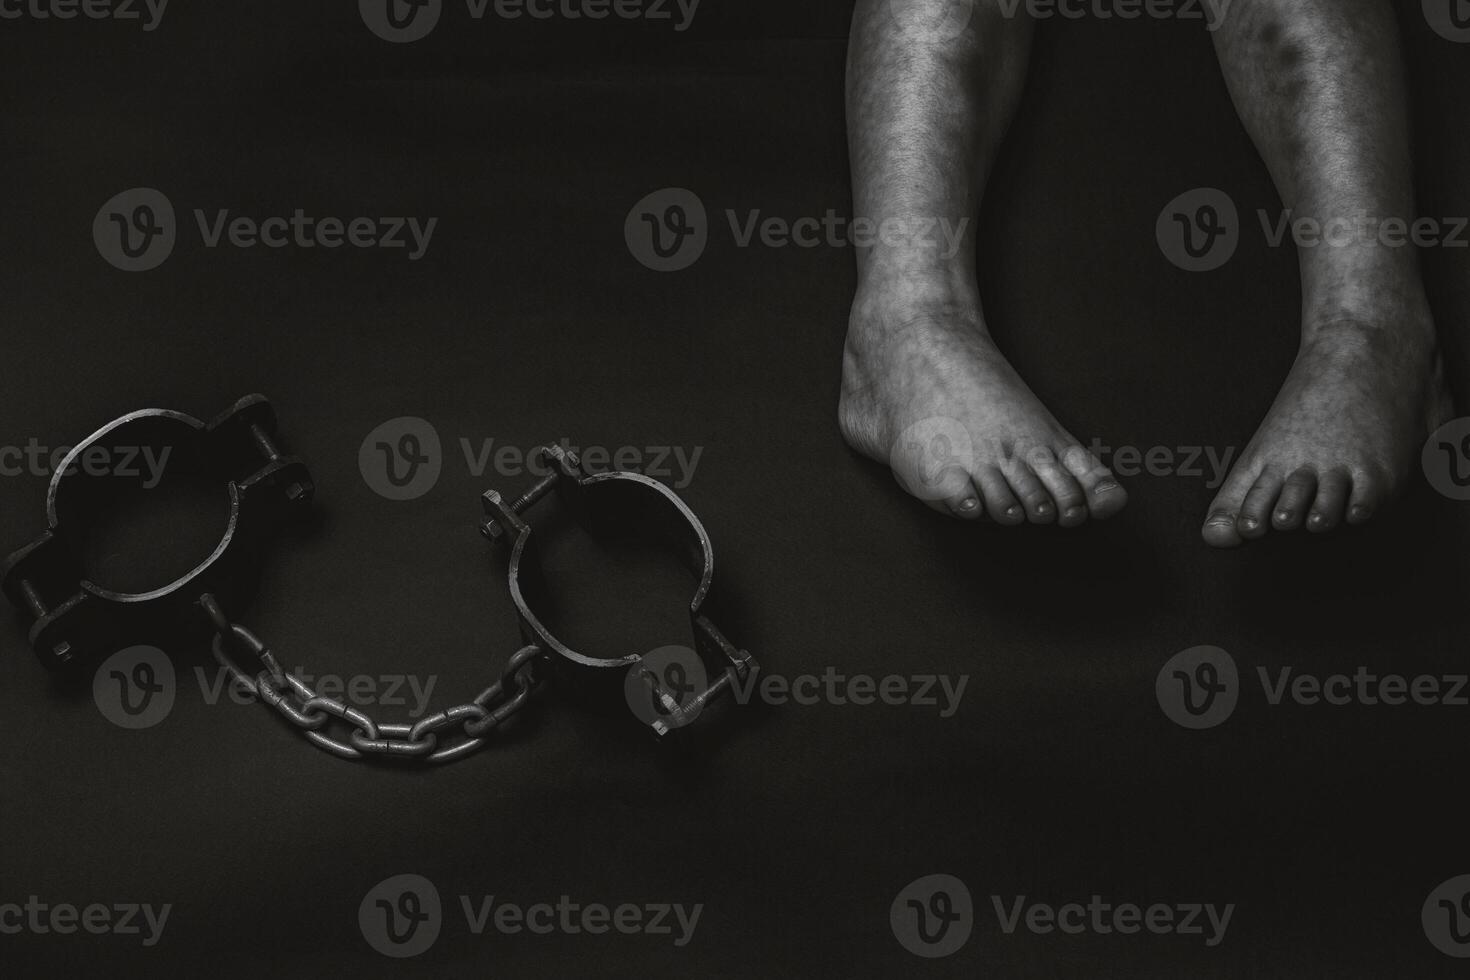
{"type": "Point", "coordinates": [272, 453]}
{"type": "Point", "coordinates": [543, 486]}
{"type": "Point", "coordinates": [32, 598]}
{"type": "Point", "coordinates": [538, 490]}
{"type": "Point", "coordinates": [264, 442]}
{"type": "Point", "coordinates": [38, 608]}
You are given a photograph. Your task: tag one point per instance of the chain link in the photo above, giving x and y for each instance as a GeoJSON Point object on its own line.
{"type": "Point", "coordinates": [465, 728]}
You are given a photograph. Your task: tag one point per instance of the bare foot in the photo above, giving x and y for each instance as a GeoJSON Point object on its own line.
{"type": "Point", "coordinates": [925, 391]}
{"type": "Point", "coordinates": [1343, 434]}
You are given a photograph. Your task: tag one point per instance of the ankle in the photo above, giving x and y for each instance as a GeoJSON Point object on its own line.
{"type": "Point", "coordinates": [889, 301]}
{"type": "Point", "coordinates": [1404, 327]}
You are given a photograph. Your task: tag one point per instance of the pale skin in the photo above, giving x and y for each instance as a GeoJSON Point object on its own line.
{"type": "Point", "coordinates": [1319, 86]}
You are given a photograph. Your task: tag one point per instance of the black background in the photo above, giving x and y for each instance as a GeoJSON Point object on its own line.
{"type": "Point", "coordinates": [529, 320]}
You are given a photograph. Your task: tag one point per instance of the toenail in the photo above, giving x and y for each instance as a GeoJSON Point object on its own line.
{"type": "Point", "coordinates": [1075, 512]}
{"type": "Point", "coordinates": [1222, 519]}
{"type": "Point", "coordinates": [1250, 523]}
{"type": "Point", "coordinates": [1283, 516]}
{"type": "Point", "coordinates": [1013, 511]}
{"type": "Point", "coordinates": [1103, 488]}
{"type": "Point", "coordinates": [969, 504]}
{"type": "Point", "coordinates": [1043, 508]}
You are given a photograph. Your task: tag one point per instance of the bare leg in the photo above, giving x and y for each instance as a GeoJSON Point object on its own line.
{"type": "Point", "coordinates": [932, 85]}
{"type": "Point", "coordinates": [1319, 85]}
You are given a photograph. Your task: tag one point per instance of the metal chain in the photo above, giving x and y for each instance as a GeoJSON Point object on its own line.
{"type": "Point", "coordinates": [468, 725]}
